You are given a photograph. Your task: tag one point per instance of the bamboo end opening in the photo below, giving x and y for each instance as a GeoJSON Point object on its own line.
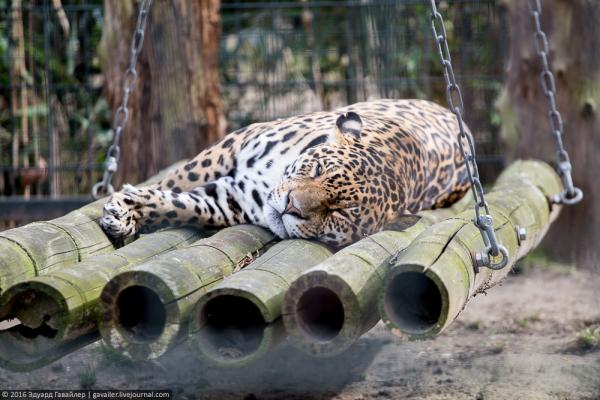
{"type": "Point", "coordinates": [31, 314]}
{"type": "Point", "coordinates": [413, 302]}
{"type": "Point", "coordinates": [231, 328]}
{"type": "Point", "coordinates": [141, 313]}
{"type": "Point", "coordinates": [320, 313]}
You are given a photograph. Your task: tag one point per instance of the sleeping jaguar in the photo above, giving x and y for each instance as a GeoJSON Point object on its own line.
{"type": "Point", "coordinates": [331, 176]}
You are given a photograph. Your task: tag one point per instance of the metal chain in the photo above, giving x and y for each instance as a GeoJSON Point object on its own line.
{"type": "Point", "coordinates": [483, 219]}
{"type": "Point", "coordinates": [104, 187]}
{"type": "Point", "coordinates": [571, 194]}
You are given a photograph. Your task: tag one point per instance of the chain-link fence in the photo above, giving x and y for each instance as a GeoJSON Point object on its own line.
{"type": "Point", "coordinates": [278, 58]}
{"type": "Point", "coordinates": [284, 58]}
{"type": "Point", "coordinates": [51, 112]}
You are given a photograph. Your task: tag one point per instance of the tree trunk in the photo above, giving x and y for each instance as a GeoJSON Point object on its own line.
{"type": "Point", "coordinates": [574, 38]}
{"type": "Point", "coordinates": [176, 109]}
{"type": "Point", "coordinates": [19, 92]}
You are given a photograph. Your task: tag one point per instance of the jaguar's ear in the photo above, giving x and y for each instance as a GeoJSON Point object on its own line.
{"type": "Point", "coordinates": [348, 127]}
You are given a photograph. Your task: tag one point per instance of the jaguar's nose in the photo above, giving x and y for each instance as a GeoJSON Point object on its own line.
{"type": "Point", "coordinates": [292, 208]}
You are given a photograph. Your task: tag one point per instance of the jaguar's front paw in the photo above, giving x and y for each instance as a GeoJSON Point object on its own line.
{"type": "Point", "coordinates": [122, 213]}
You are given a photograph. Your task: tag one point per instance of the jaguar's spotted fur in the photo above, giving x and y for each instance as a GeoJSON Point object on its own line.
{"type": "Point", "coordinates": [333, 176]}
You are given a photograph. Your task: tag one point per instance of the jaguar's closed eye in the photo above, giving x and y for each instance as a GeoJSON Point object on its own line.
{"type": "Point", "coordinates": [351, 207]}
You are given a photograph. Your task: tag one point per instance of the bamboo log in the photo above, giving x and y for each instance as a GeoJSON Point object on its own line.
{"type": "Point", "coordinates": [58, 311]}
{"type": "Point", "coordinates": [433, 279]}
{"type": "Point", "coordinates": [40, 247]}
{"type": "Point", "coordinates": [146, 310]}
{"type": "Point", "coordinates": [332, 304]}
{"type": "Point", "coordinates": [239, 320]}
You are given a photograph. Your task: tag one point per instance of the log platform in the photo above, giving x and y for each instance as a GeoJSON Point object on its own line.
{"type": "Point", "coordinates": [234, 295]}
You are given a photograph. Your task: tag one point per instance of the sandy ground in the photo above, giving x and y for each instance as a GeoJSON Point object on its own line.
{"type": "Point", "coordinates": [520, 341]}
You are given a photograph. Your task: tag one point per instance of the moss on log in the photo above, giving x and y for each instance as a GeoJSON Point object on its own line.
{"type": "Point", "coordinates": [239, 320]}
{"type": "Point", "coordinates": [332, 304]}
{"type": "Point", "coordinates": [58, 312]}
{"type": "Point", "coordinates": [146, 310]}
{"type": "Point", "coordinates": [40, 247]}
{"type": "Point", "coordinates": [153, 302]}
{"type": "Point", "coordinates": [433, 278]}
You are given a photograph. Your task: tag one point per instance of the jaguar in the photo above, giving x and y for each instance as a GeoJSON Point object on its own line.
{"type": "Point", "coordinates": [334, 176]}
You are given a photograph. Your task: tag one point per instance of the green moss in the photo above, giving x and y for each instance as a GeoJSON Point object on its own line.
{"type": "Point", "coordinates": [589, 338]}
{"type": "Point", "coordinates": [525, 322]}
{"type": "Point", "coordinates": [540, 259]}
{"type": "Point", "coordinates": [522, 323]}
{"type": "Point", "coordinates": [111, 357]}
{"type": "Point", "coordinates": [87, 377]}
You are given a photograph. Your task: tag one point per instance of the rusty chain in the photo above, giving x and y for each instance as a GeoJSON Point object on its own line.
{"type": "Point", "coordinates": [104, 187]}
{"type": "Point", "coordinates": [483, 218]}
{"type": "Point", "coordinates": [571, 194]}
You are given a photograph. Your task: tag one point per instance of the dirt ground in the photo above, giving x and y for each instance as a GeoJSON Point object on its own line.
{"type": "Point", "coordinates": [537, 336]}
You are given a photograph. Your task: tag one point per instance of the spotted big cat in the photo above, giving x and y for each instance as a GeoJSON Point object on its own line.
{"type": "Point", "coordinates": [334, 176]}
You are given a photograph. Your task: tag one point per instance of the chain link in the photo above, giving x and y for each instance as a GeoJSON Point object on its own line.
{"type": "Point", "coordinates": [121, 117]}
{"type": "Point", "coordinates": [483, 219]}
{"type": "Point", "coordinates": [571, 194]}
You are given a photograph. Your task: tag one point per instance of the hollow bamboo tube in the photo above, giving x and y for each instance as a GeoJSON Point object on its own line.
{"type": "Point", "coordinates": [332, 304]}
{"type": "Point", "coordinates": [146, 310]}
{"type": "Point", "coordinates": [433, 279]}
{"type": "Point", "coordinates": [41, 247]}
{"type": "Point", "coordinates": [59, 311]}
{"type": "Point", "coordinates": [239, 320]}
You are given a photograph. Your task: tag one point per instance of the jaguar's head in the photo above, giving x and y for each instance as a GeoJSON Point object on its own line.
{"type": "Point", "coordinates": [326, 193]}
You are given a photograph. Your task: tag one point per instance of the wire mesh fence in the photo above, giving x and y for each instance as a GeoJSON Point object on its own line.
{"type": "Point", "coordinates": [278, 58]}
{"type": "Point", "coordinates": [283, 58]}
{"type": "Point", "coordinates": [51, 110]}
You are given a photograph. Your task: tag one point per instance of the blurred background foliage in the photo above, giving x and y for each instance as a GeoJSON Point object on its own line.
{"type": "Point", "coordinates": [278, 58]}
